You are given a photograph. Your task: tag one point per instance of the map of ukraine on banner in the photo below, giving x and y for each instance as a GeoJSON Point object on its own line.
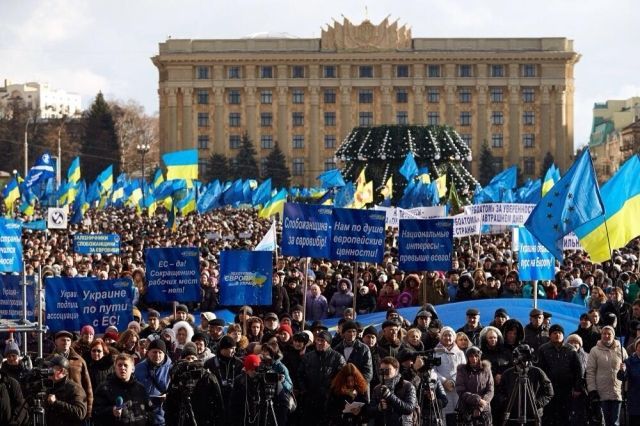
{"type": "Point", "coordinates": [246, 277]}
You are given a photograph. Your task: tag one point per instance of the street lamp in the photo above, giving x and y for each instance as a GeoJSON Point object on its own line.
{"type": "Point", "coordinates": [142, 149]}
{"type": "Point", "coordinates": [26, 146]}
{"type": "Point", "coordinates": [59, 161]}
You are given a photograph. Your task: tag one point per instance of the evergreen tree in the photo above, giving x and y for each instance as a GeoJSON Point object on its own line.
{"type": "Point", "coordinates": [100, 146]}
{"type": "Point", "coordinates": [276, 168]}
{"type": "Point", "coordinates": [218, 168]}
{"type": "Point", "coordinates": [487, 168]}
{"type": "Point", "coordinates": [245, 165]}
{"type": "Point", "coordinates": [546, 163]}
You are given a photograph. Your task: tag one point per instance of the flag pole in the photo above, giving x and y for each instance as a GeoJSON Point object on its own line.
{"type": "Point", "coordinates": [304, 295]}
{"type": "Point", "coordinates": [355, 286]}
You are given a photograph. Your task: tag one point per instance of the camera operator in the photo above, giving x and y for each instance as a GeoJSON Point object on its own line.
{"type": "Point", "coordinates": [121, 399]}
{"type": "Point", "coordinates": [66, 401]}
{"type": "Point", "coordinates": [194, 396]}
{"type": "Point", "coordinates": [538, 380]}
{"type": "Point", "coordinates": [418, 369]}
{"type": "Point", "coordinates": [394, 400]}
{"type": "Point", "coordinates": [245, 405]}
{"type": "Point", "coordinates": [560, 363]}
{"type": "Point", "coordinates": [226, 367]}
{"type": "Point", "coordinates": [11, 401]}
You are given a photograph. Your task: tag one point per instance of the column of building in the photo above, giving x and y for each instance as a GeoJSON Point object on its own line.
{"type": "Point", "coordinates": [545, 121]}
{"type": "Point", "coordinates": [218, 121]}
{"type": "Point", "coordinates": [188, 141]}
{"type": "Point", "coordinates": [164, 120]}
{"type": "Point", "coordinates": [560, 155]}
{"type": "Point", "coordinates": [514, 126]}
{"type": "Point", "coordinates": [172, 104]}
{"type": "Point", "coordinates": [251, 123]}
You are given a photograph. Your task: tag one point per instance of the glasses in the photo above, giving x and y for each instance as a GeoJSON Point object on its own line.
{"type": "Point", "coordinates": [96, 351]}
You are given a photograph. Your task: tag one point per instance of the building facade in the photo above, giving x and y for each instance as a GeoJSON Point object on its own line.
{"type": "Point", "coordinates": [47, 101]}
{"type": "Point", "coordinates": [307, 94]}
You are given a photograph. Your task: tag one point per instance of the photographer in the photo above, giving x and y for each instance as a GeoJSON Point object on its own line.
{"type": "Point", "coordinates": [121, 399]}
{"type": "Point", "coordinates": [538, 380]}
{"type": "Point", "coordinates": [394, 400]}
{"type": "Point", "coordinates": [245, 405]}
{"type": "Point", "coordinates": [194, 396]}
{"type": "Point", "coordinates": [226, 367]}
{"type": "Point", "coordinates": [431, 396]}
{"type": "Point", "coordinates": [66, 401]}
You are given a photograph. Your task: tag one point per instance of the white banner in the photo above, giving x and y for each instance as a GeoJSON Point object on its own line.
{"type": "Point", "coordinates": [394, 214]}
{"type": "Point", "coordinates": [466, 224]}
{"type": "Point", "coordinates": [501, 213]}
{"type": "Point", "coordinates": [569, 242]}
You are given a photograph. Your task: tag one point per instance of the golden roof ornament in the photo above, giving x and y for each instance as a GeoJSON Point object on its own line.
{"type": "Point", "coordinates": [365, 36]}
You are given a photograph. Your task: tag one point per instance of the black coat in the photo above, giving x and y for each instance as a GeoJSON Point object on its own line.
{"type": "Point", "coordinates": [70, 407]}
{"type": "Point", "coordinates": [279, 300]}
{"type": "Point", "coordinates": [314, 378]}
{"type": "Point", "coordinates": [360, 357]}
{"type": "Point", "coordinates": [472, 333]}
{"type": "Point", "coordinates": [535, 337]}
{"type": "Point", "coordinates": [134, 396]}
{"type": "Point", "coordinates": [336, 405]}
{"type": "Point", "coordinates": [226, 370]}
{"type": "Point", "coordinates": [402, 402]}
{"type": "Point", "coordinates": [11, 400]}
{"type": "Point", "coordinates": [499, 357]}
{"type": "Point", "coordinates": [540, 383]}
{"type": "Point", "coordinates": [99, 370]}
{"type": "Point", "coordinates": [562, 366]}
{"type": "Point", "coordinates": [206, 401]}
{"type": "Point", "coordinates": [590, 337]}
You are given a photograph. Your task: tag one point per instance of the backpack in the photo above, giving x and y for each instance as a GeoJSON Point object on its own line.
{"type": "Point", "coordinates": [416, 414]}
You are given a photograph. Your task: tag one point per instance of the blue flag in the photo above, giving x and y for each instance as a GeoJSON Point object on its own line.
{"type": "Point", "coordinates": [331, 178]}
{"type": "Point", "coordinates": [573, 201]}
{"type": "Point", "coordinates": [409, 168]}
{"type": "Point", "coordinates": [41, 171]}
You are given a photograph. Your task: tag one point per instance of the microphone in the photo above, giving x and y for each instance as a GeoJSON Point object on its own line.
{"type": "Point", "coordinates": [119, 403]}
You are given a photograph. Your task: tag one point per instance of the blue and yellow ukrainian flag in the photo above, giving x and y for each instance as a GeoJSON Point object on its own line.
{"type": "Point", "coordinates": [188, 203]}
{"type": "Point", "coordinates": [275, 205]}
{"type": "Point", "coordinates": [10, 193]}
{"type": "Point", "coordinates": [181, 164]}
{"type": "Point", "coordinates": [550, 178]}
{"type": "Point", "coordinates": [387, 190]}
{"type": "Point", "coordinates": [158, 178]}
{"type": "Point", "coordinates": [73, 174]}
{"type": "Point", "coordinates": [621, 199]}
{"type": "Point", "coordinates": [105, 179]}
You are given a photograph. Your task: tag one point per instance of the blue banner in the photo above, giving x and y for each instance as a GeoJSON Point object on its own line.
{"type": "Point", "coordinates": [72, 303]}
{"type": "Point", "coordinates": [173, 274]}
{"type": "Point", "coordinates": [11, 300]}
{"type": "Point", "coordinates": [245, 277]}
{"type": "Point", "coordinates": [306, 230]}
{"type": "Point", "coordinates": [425, 244]}
{"type": "Point", "coordinates": [357, 235]}
{"type": "Point", "coordinates": [535, 262]}
{"type": "Point", "coordinates": [10, 245]}
{"type": "Point", "coordinates": [96, 243]}
{"type": "Point", "coordinates": [36, 225]}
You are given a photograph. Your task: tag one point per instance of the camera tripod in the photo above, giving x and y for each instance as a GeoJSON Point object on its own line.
{"type": "Point", "coordinates": [186, 416]}
{"type": "Point", "coordinates": [268, 413]}
{"type": "Point", "coordinates": [524, 396]}
{"type": "Point", "coordinates": [431, 411]}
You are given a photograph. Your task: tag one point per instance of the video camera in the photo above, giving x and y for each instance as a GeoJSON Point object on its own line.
{"type": "Point", "coordinates": [187, 374]}
{"type": "Point", "coordinates": [268, 379]}
{"type": "Point", "coordinates": [35, 377]}
{"type": "Point", "coordinates": [429, 359]}
{"type": "Point", "coordinates": [523, 355]}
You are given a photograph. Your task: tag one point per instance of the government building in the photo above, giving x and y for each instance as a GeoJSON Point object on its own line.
{"type": "Point", "coordinates": [307, 94]}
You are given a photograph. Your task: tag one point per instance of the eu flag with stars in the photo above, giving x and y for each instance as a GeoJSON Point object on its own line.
{"type": "Point", "coordinates": [573, 201]}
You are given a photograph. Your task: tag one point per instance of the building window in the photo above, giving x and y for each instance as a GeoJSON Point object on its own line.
{"type": "Point", "coordinates": [203, 119]}
{"type": "Point", "coordinates": [402, 71]}
{"type": "Point", "coordinates": [497, 140]}
{"type": "Point", "coordinates": [529, 165]}
{"type": "Point", "coordinates": [329, 141]}
{"type": "Point", "coordinates": [298, 166]}
{"type": "Point", "coordinates": [203, 96]}
{"type": "Point", "coordinates": [365, 96]}
{"type": "Point", "coordinates": [202, 73]}
{"type": "Point", "coordinates": [466, 138]}
{"type": "Point", "coordinates": [266, 119]}
{"type": "Point", "coordinates": [203, 142]}
{"type": "Point", "coordinates": [329, 96]}
{"type": "Point", "coordinates": [297, 96]}
{"type": "Point", "coordinates": [329, 164]}
{"type": "Point", "coordinates": [233, 72]}
{"type": "Point", "coordinates": [366, 119]}
{"type": "Point", "coordinates": [528, 140]}
{"type": "Point", "coordinates": [203, 165]}
{"type": "Point", "coordinates": [497, 118]}
{"type": "Point", "coordinates": [528, 118]}
{"type": "Point", "coordinates": [266, 97]}
{"type": "Point", "coordinates": [297, 142]}
{"type": "Point", "coordinates": [498, 164]}
{"type": "Point", "coordinates": [433, 118]}
{"type": "Point", "coordinates": [297, 119]}
{"type": "Point", "coordinates": [402, 118]}
{"type": "Point", "coordinates": [402, 96]}
{"type": "Point", "coordinates": [465, 118]}
{"type": "Point", "coordinates": [297, 71]}
{"type": "Point", "coordinates": [464, 95]}
{"type": "Point", "coordinates": [266, 141]}
{"type": "Point", "coordinates": [234, 119]}
{"type": "Point", "coordinates": [528, 70]}
{"type": "Point", "coordinates": [264, 165]}
{"type": "Point", "coordinates": [497, 70]}
{"type": "Point", "coordinates": [266, 72]}
{"type": "Point", "coordinates": [234, 141]}
{"type": "Point", "coordinates": [329, 71]}
{"type": "Point", "coordinates": [234, 97]}
{"type": "Point", "coordinates": [528, 95]}
{"type": "Point", "coordinates": [365, 71]}
{"type": "Point", "coordinates": [433, 95]}
{"type": "Point", "coordinates": [433, 71]}
{"type": "Point", "coordinates": [329, 118]}
{"type": "Point", "coordinates": [465, 70]}
{"type": "Point", "coordinates": [496, 94]}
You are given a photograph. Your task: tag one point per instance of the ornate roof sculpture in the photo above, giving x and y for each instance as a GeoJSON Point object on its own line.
{"type": "Point", "coordinates": [366, 36]}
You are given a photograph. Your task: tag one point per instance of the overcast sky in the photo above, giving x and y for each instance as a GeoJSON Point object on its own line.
{"type": "Point", "coordinates": [84, 46]}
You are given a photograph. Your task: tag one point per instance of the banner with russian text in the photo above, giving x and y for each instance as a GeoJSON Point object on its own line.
{"type": "Point", "coordinates": [10, 245]}
{"type": "Point", "coordinates": [96, 243]}
{"type": "Point", "coordinates": [357, 235]}
{"type": "Point", "coordinates": [246, 277]}
{"type": "Point", "coordinates": [11, 297]}
{"type": "Point", "coordinates": [173, 274]}
{"type": "Point", "coordinates": [501, 213]}
{"type": "Point", "coordinates": [535, 262]}
{"type": "Point", "coordinates": [72, 303]}
{"type": "Point", "coordinates": [306, 230]}
{"type": "Point", "coordinates": [465, 225]}
{"type": "Point", "coordinates": [425, 244]}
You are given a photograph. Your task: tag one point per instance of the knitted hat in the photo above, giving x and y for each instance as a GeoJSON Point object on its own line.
{"type": "Point", "coordinates": [473, 350]}
{"type": "Point", "coordinates": [11, 348]}
{"type": "Point", "coordinates": [158, 344]}
{"type": "Point", "coordinates": [324, 334]}
{"type": "Point", "coordinates": [189, 349]}
{"type": "Point", "coordinates": [370, 331]}
{"type": "Point", "coordinates": [349, 325]}
{"type": "Point", "coordinates": [286, 328]}
{"type": "Point", "coordinates": [182, 308]}
{"type": "Point", "coordinates": [110, 335]}
{"type": "Point", "coordinates": [199, 336]}
{"type": "Point", "coordinates": [227, 342]}
{"type": "Point", "coordinates": [301, 337]}
{"type": "Point", "coordinates": [153, 314]}
{"type": "Point", "coordinates": [556, 328]}
{"type": "Point", "coordinates": [251, 362]}
{"type": "Point", "coordinates": [87, 329]}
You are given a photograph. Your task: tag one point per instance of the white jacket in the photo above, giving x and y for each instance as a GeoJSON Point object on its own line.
{"type": "Point", "coordinates": [603, 364]}
{"type": "Point", "coordinates": [450, 359]}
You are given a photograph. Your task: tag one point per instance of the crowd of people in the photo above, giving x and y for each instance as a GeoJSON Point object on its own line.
{"type": "Point", "coordinates": [280, 364]}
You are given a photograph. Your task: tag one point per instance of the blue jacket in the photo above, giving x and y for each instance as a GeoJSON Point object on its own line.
{"type": "Point", "coordinates": [155, 380]}
{"type": "Point", "coordinates": [316, 307]}
{"type": "Point", "coordinates": [632, 375]}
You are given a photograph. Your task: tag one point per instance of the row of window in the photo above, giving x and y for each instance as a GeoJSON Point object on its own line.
{"type": "Point", "coordinates": [266, 141]}
{"type": "Point", "coordinates": [528, 140]}
{"type": "Point", "coordinates": [297, 166]}
{"type": "Point", "coordinates": [369, 71]}
{"type": "Point", "coordinates": [365, 96]}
